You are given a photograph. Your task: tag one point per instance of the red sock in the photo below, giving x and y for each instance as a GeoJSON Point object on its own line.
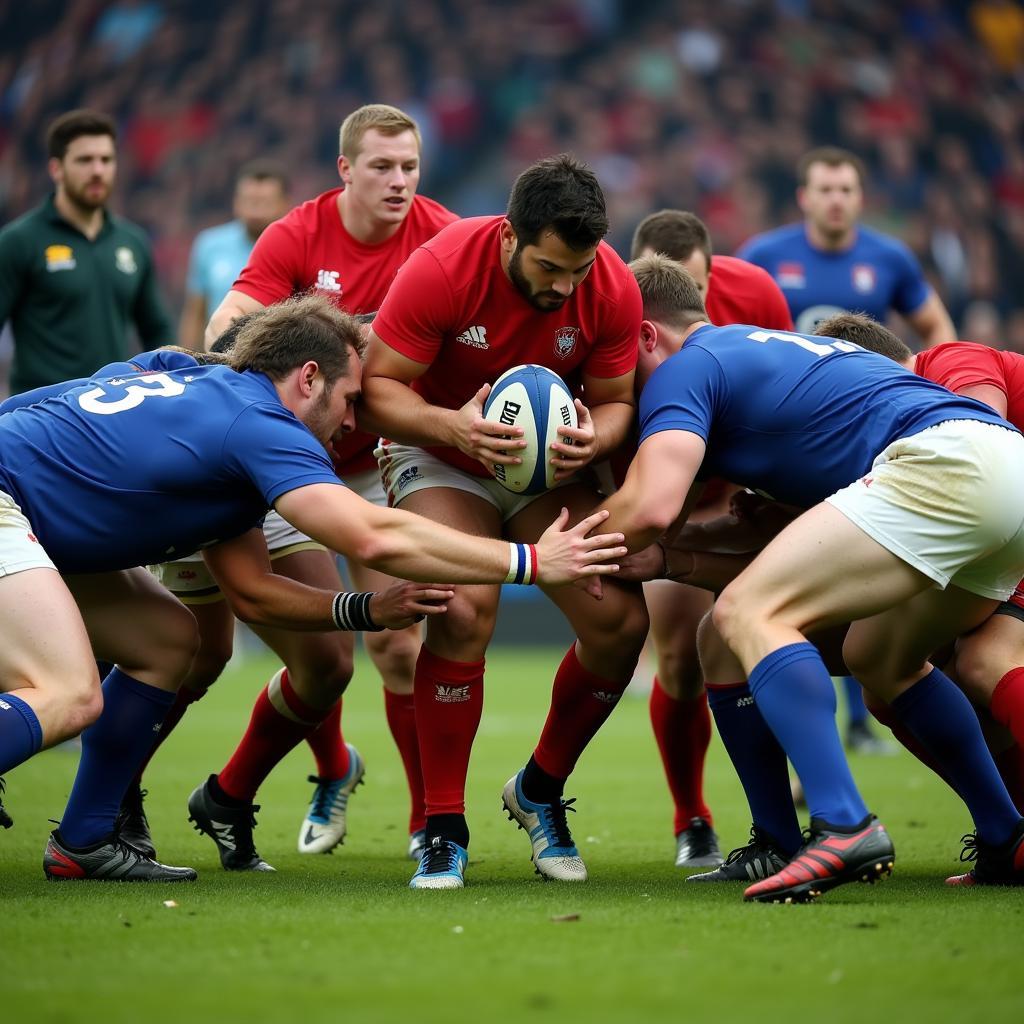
{"type": "Point", "coordinates": [328, 746]}
{"type": "Point", "coordinates": [1010, 763]}
{"type": "Point", "coordinates": [1007, 704]}
{"type": "Point", "coordinates": [883, 714]}
{"type": "Point", "coordinates": [449, 698]}
{"type": "Point", "coordinates": [400, 709]}
{"type": "Point", "coordinates": [280, 721]}
{"type": "Point", "coordinates": [682, 729]}
{"type": "Point", "coordinates": [580, 704]}
{"type": "Point", "coordinates": [182, 699]}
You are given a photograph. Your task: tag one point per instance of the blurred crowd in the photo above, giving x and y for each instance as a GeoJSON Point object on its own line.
{"type": "Point", "coordinates": [703, 104]}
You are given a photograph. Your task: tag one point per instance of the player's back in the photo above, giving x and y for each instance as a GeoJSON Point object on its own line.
{"type": "Point", "coordinates": [794, 416]}
{"type": "Point", "coordinates": [144, 468]}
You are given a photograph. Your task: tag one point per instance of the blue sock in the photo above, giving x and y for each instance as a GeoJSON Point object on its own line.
{"type": "Point", "coordinates": [759, 761]}
{"type": "Point", "coordinates": [113, 747]}
{"type": "Point", "coordinates": [21, 735]}
{"type": "Point", "coordinates": [794, 691]}
{"type": "Point", "coordinates": [936, 711]}
{"type": "Point", "coordinates": [856, 709]}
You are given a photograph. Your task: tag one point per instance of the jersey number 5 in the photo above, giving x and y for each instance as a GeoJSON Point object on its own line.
{"type": "Point", "coordinates": [153, 385]}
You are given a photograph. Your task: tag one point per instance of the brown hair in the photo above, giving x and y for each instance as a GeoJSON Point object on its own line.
{"type": "Point", "coordinates": [73, 125]}
{"type": "Point", "coordinates": [669, 293]}
{"type": "Point", "coordinates": [867, 333]}
{"type": "Point", "coordinates": [293, 332]}
{"type": "Point", "coordinates": [675, 233]}
{"type": "Point", "coordinates": [831, 156]}
{"type": "Point", "coordinates": [264, 170]}
{"type": "Point", "coordinates": [383, 118]}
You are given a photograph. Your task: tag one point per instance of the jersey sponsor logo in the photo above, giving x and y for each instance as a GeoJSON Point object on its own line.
{"type": "Point", "coordinates": [474, 337]}
{"type": "Point", "coordinates": [327, 281]}
{"type": "Point", "coordinates": [4, 706]}
{"type": "Point", "coordinates": [59, 257]}
{"type": "Point", "coordinates": [451, 694]}
{"type": "Point", "coordinates": [791, 275]}
{"type": "Point", "coordinates": [565, 341]}
{"type": "Point", "coordinates": [863, 277]}
{"type": "Point", "coordinates": [124, 260]}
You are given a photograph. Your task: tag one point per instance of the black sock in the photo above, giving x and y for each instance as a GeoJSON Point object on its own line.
{"type": "Point", "coordinates": [538, 786]}
{"type": "Point", "coordinates": [222, 798]}
{"type": "Point", "coordinates": [448, 826]}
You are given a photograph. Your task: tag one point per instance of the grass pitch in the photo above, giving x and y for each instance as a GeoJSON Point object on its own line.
{"type": "Point", "coordinates": [343, 938]}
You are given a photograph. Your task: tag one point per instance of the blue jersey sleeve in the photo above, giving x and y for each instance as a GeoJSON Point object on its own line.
{"type": "Point", "coordinates": [267, 444]}
{"type": "Point", "coordinates": [194, 283]}
{"type": "Point", "coordinates": [911, 288]}
{"type": "Point", "coordinates": [684, 393]}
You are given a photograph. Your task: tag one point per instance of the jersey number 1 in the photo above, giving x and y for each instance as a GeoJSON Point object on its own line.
{"type": "Point", "coordinates": [818, 348]}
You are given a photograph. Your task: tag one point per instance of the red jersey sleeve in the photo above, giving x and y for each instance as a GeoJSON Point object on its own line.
{"type": "Point", "coordinates": [418, 309]}
{"type": "Point", "coordinates": [776, 315]}
{"type": "Point", "coordinates": [957, 365]}
{"type": "Point", "coordinates": [273, 271]}
{"type": "Point", "coordinates": [615, 351]}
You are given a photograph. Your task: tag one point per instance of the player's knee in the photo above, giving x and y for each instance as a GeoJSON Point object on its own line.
{"type": "Point", "coordinates": [467, 625]}
{"type": "Point", "coordinates": [207, 666]}
{"type": "Point", "coordinates": [977, 671]}
{"type": "Point", "coordinates": [84, 705]}
{"type": "Point", "coordinates": [727, 614]}
{"type": "Point", "coordinates": [679, 673]}
{"type": "Point", "coordinates": [325, 670]}
{"type": "Point", "coordinates": [394, 654]}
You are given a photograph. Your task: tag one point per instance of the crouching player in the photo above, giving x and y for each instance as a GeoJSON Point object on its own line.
{"type": "Point", "coordinates": [231, 441]}
{"type": "Point", "coordinates": [914, 532]}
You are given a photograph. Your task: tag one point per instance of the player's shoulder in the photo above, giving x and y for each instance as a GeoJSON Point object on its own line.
{"type": "Point", "coordinates": [732, 269]}
{"type": "Point", "coordinates": [217, 235]}
{"type": "Point", "coordinates": [129, 229]}
{"type": "Point", "coordinates": [314, 214]}
{"type": "Point", "coordinates": [870, 239]}
{"type": "Point", "coordinates": [26, 225]}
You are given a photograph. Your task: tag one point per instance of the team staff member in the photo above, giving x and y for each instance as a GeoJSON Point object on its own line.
{"type": "Point", "coordinates": [735, 292]}
{"type": "Point", "coordinates": [346, 245]}
{"type": "Point", "coordinates": [84, 502]}
{"type": "Point", "coordinates": [823, 425]}
{"type": "Point", "coordinates": [830, 263]}
{"type": "Point", "coordinates": [73, 277]}
{"type": "Point", "coordinates": [219, 253]}
{"type": "Point", "coordinates": [535, 286]}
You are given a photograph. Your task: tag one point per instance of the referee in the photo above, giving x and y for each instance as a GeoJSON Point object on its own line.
{"type": "Point", "coordinates": [73, 277]}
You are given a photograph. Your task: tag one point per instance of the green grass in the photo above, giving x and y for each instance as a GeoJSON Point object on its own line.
{"type": "Point", "coordinates": [343, 938]}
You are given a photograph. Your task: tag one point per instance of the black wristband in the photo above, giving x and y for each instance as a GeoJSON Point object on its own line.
{"type": "Point", "coordinates": [352, 612]}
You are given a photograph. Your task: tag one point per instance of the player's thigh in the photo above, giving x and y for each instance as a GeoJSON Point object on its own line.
{"type": "Point", "coordinates": [464, 631]}
{"type": "Point", "coordinates": [393, 651]}
{"type": "Point", "coordinates": [676, 610]}
{"type": "Point", "coordinates": [889, 651]}
{"type": "Point", "coordinates": [821, 570]}
{"type": "Point", "coordinates": [134, 621]}
{"type": "Point", "coordinates": [43, 640]}
{"type": "Point", "coordinates": [986, 654]}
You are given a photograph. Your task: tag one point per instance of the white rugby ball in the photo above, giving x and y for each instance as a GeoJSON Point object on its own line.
{"type": "Point", "coordinates": [536, 399]}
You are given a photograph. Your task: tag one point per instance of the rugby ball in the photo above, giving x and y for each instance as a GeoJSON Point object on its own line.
{"type": "Point", "coordinates": [536, 399]}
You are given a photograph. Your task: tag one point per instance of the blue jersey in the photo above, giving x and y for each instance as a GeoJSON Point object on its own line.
{"type": "Point", "coordinates": [153, 361]}
{"type": "Point", "coordinates": [876, 274]}
{"type": "Point", "coordinates": [217, 258]}
{"type": "Point", "coordinates": [149, 467]}
{"type": "Point", "coordinates": [794, 417]}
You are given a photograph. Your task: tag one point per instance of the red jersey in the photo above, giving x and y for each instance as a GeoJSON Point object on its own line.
{"type": "Point", "coordinates": [309, 248]}
{"type": "Point", "coordinates": [961, 364]}
{"type": "Point", "coordinates": [453, 307]}
{"type": "Point", "coordinates": [741, 293]}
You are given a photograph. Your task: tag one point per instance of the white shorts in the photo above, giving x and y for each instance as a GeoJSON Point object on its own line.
{"type": "Point", "coordinates": [950, 502]}
{"type": "Point", "coordinates": [406, 470]}
{"type": "Point", "coordinates": [19, 548]}
{"type": "Point", "coordinates": [191, 582]}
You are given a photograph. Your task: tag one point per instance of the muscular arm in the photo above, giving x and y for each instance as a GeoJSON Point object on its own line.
{"type": "Point", "coordinates": [391, 408]}
{"type": "Point", "coordinates": [932, 322]}
{"type": "Point", "coordinates": [987, 393]}
{"type": "Point", "coordinates": [193, 322]}
{"type": "Point", "coordinates": [411, 547]}
{"type": "Point", "coordinates": [232, 306]}
{"type": "Point", "coordinates": [612, 404]}
{"type": "Point", "coordinates": [657, 487]}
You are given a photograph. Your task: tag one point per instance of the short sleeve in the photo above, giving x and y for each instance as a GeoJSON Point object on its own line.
{"type": "Point", "coordinates": [270, 447]}
{"type": "Point", "coordinates": [775, 313]}
{"type": "Point", "coordinates": [418, 309]}
{"type": "Point", "coordinates": [684, 393]}
{"type": "Point", "coordinates": [912, 289]}
{"type": "Point", "coordinates": [753, 252]}
{"type": "Point", "coordinates": [273, 271]}
{"type": "Point", "coordinates": [615, 351]}
{"type": "Point", "coordinates": [947, 365]}
{"type": "Point", "coordinates": [194, 284]}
